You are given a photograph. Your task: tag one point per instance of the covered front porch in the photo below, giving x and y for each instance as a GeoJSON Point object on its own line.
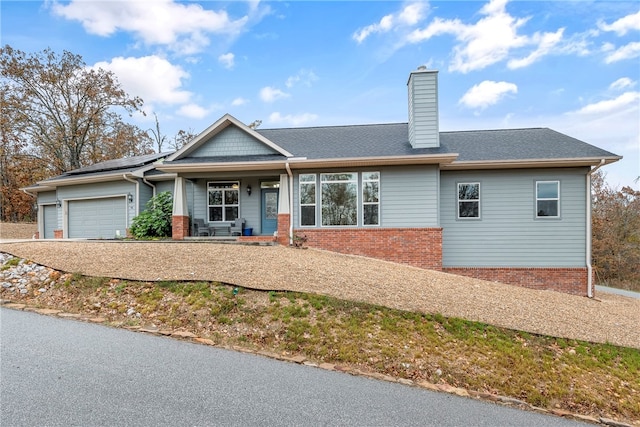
{"type": "Point", "coordinates": [231, 208]}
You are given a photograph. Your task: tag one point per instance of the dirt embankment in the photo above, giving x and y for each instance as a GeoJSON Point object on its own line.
{"type": "Point", "coordinates": [18, 230]}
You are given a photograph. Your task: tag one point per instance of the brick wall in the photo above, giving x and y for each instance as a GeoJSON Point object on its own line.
{"type": "Point", "coordinates": [57, 234]}
{"type": "Point", "coordinates": [179, 227]}
{"type": "Point", "coordinates": [568, 280]}
{"type": "Point", "coordinates": [420, 247]}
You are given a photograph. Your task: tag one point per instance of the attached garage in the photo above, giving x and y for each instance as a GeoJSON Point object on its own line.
{"type": "Point", "coordinates": [50, 218]}
{"type": "Point", "coordinates": [102, 218]}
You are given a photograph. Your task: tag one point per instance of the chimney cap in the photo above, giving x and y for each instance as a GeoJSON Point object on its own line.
{"type": "Point", "coordinates": [422, 67]}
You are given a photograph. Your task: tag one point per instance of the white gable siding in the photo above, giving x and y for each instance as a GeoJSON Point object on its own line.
{"type": "Point", "coordinates": [508, 234]}
{"type": "Point", "coordinates": [232, 142]}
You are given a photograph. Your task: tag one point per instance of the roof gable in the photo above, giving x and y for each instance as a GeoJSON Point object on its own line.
{"type": "Point", "coordinates": [228, 137]}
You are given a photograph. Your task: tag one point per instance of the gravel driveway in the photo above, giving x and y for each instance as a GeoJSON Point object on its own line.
{"type": "Point", "coordinates": [606, 318]}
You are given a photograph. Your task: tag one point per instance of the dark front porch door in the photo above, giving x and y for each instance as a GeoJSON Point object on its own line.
{"type": "Point", "coordinates": [269, 210]}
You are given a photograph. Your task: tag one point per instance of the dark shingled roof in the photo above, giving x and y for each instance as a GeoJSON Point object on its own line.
{"type": "Point", "coordinates": [382, 140]}
{"type": "Point", "coordinates": [393, 140]}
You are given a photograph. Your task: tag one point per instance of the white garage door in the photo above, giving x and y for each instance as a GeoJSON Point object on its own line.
{"type": "Point", "coordinates": [97, 218]}
{"type": "Point", "coordinates": [50, 216]}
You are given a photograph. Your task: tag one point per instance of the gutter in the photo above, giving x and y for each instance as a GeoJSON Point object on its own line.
{"type": "Point", "coordinates": [588, 234]}
{"type": "Point", "coordinates": [150, 185]}
{"type": "Point", "coordinates": [286, 165]}
{"type": "Point", "coordinates": [137, 183]}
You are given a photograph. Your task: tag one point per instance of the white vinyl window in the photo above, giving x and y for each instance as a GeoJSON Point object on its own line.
{"type": "Point", "coordinates": [223, 200]}
{"type": "Point", "coordinates": [547, 199]}
{"type": "Point", "coordinates": [371, 198]}
{"type": "Point", "coordinates": [307, 199]}
{"type": "Point", "coordinates": [468, 200]}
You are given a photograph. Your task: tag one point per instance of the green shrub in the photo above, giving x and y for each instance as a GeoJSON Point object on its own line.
{"type": "Point", "coordinates": [155, 220]}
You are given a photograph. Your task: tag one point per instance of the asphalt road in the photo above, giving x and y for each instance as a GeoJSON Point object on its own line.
{"type": "Point", "coordinates": [59, 372]}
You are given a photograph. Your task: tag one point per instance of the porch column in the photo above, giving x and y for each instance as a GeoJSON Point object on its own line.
{"type": "Point", "coordinates": [180, 215]}
{"type": "Point", "coordinates": [284, 211]}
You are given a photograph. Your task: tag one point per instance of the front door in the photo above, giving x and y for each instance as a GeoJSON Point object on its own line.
{"type": "Point", "coordinates": [269, 211]}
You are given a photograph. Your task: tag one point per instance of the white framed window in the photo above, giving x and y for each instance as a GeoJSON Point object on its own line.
{"type": "Point", "coordinates": [371, 198]}
{"type": "Point", "coordinates": [307, 191]}
{"type": "Point", "coordinates": [339, 199]}
{"type": "Point", "coordinates": [547, 199]}
{"type": "Point", "coordinates": [223, 200]}
{"type": "Point", "coordinates": [468, 200]}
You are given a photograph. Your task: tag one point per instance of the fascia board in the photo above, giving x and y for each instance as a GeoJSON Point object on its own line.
{"type": "Point", "coordinates": [82, 180]}
{"type": "Point", "coordinates": [429, 159]}
{"type": "Point", "coordinates": [529, 163]}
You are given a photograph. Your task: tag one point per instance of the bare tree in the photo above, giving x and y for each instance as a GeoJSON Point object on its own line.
{"type": "Point", "coordinates": [68, 109]}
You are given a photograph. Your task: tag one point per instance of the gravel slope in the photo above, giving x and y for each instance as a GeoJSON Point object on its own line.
{"type": "Point", "coordinates": [607, 318]}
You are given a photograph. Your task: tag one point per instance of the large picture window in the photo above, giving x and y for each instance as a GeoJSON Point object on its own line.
{"type": "Point", "coordinates": [371, 198]}
{"type": "Point", "coordinates": [339, 199]}
{"type": "Point", "coordinates": [468, 200]}
{"type": "Point", "coordinates": [223, 201]}
{"type": "Point", "coordinates": [307, 200]}
{"type": "Point", "coordinates": [547, 199]}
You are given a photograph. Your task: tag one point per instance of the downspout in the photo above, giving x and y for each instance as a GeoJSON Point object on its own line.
{"type": "Point", "coordinates": [286, 165]}
{"type": "Point", "coordinates": [153, 187]}
{"type": "Point", "coordinates": [588, 236]}
{"type": "Point", "coordinates": [137, 183]}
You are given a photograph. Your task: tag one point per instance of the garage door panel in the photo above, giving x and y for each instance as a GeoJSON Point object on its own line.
{"type": "Point", "coordinates": [50, 215]}
{"type": "Point", "coordinates": [97, 218]}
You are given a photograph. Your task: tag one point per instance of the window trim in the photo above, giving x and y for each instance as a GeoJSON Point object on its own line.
{"type": "Point", "coordinates": [537, 199]}
{"type": "Point", "coordinates": [224, 205]}
{"type": "Point", "coordinates": [315, 201]}
{"type": "Point", "coordinates": [364, 203]}
{"type": "Point", "coordinates": [478, 200]}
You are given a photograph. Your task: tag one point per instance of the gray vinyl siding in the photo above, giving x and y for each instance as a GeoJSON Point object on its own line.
{"type": "Point", "coordinates": [408, 195]}
{"type": "Point", "coordinates": [231, 142]}
{"type": "Point", "coordinates": [508, 233]}
{"type": "Point", "coordinates": [145, 194]}
{"type": "Point", "coordinates": [47, 197]}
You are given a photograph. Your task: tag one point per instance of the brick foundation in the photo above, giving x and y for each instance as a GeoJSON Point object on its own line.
{"type": "Point", "coordinates": [419, 247]}
{"type": "Point", "coordinates": [57, 234]}
{"type": "Point", "coordinates": [37, 235]}
{"type": "Point", "coordinates": [568, 280]}
{"type": "Point", "coordinates": [179, 227]}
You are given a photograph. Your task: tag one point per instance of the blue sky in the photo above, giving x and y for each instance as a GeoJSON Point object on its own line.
{"type": "Point", "coordinates": [570, 66]}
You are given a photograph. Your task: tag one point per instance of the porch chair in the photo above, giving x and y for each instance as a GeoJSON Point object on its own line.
{"type": "Point", "coordinates": [200, 228]}
{"type": "Point", "coordinates": [237, 226]}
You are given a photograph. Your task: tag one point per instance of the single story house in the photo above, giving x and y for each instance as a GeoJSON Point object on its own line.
{"type": "Point", "coordinates": [508, 205]}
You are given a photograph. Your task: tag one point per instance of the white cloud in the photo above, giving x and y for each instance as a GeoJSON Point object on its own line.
{"type": "Point", "coordinates": [227, 60]}
{"type": "Point", "coordinates": [629, 51]}
{"type": "Point", "coordinates": [292, 120]}
{"type": "Point", "coordinates": [239, 101]}
{"type": "Point", "coordinates": [306, 77]}
{"type": "Point", "coordinates": [152, 78]}
{"type": "Point", "coordinates": [622, 25]}
{"type": "Point", "coordinates": [546, 42]}
{"type": "Point", "coordinates": [193, 111]}
{"type": "Point", "coordinates": [490, 40]}
{"type": "Point", "coordinates": [270, 94]}
{"type": "Point", "coordinates": [409, 15]}
{"type": "Point", "coordinates": [184, 28]}
{"type": "Point", "coordinates": [626, 101]}
{"type": "Point", "coordinates": [487, 93]}
{"type": "Point", "coordinates": [622, 83]}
